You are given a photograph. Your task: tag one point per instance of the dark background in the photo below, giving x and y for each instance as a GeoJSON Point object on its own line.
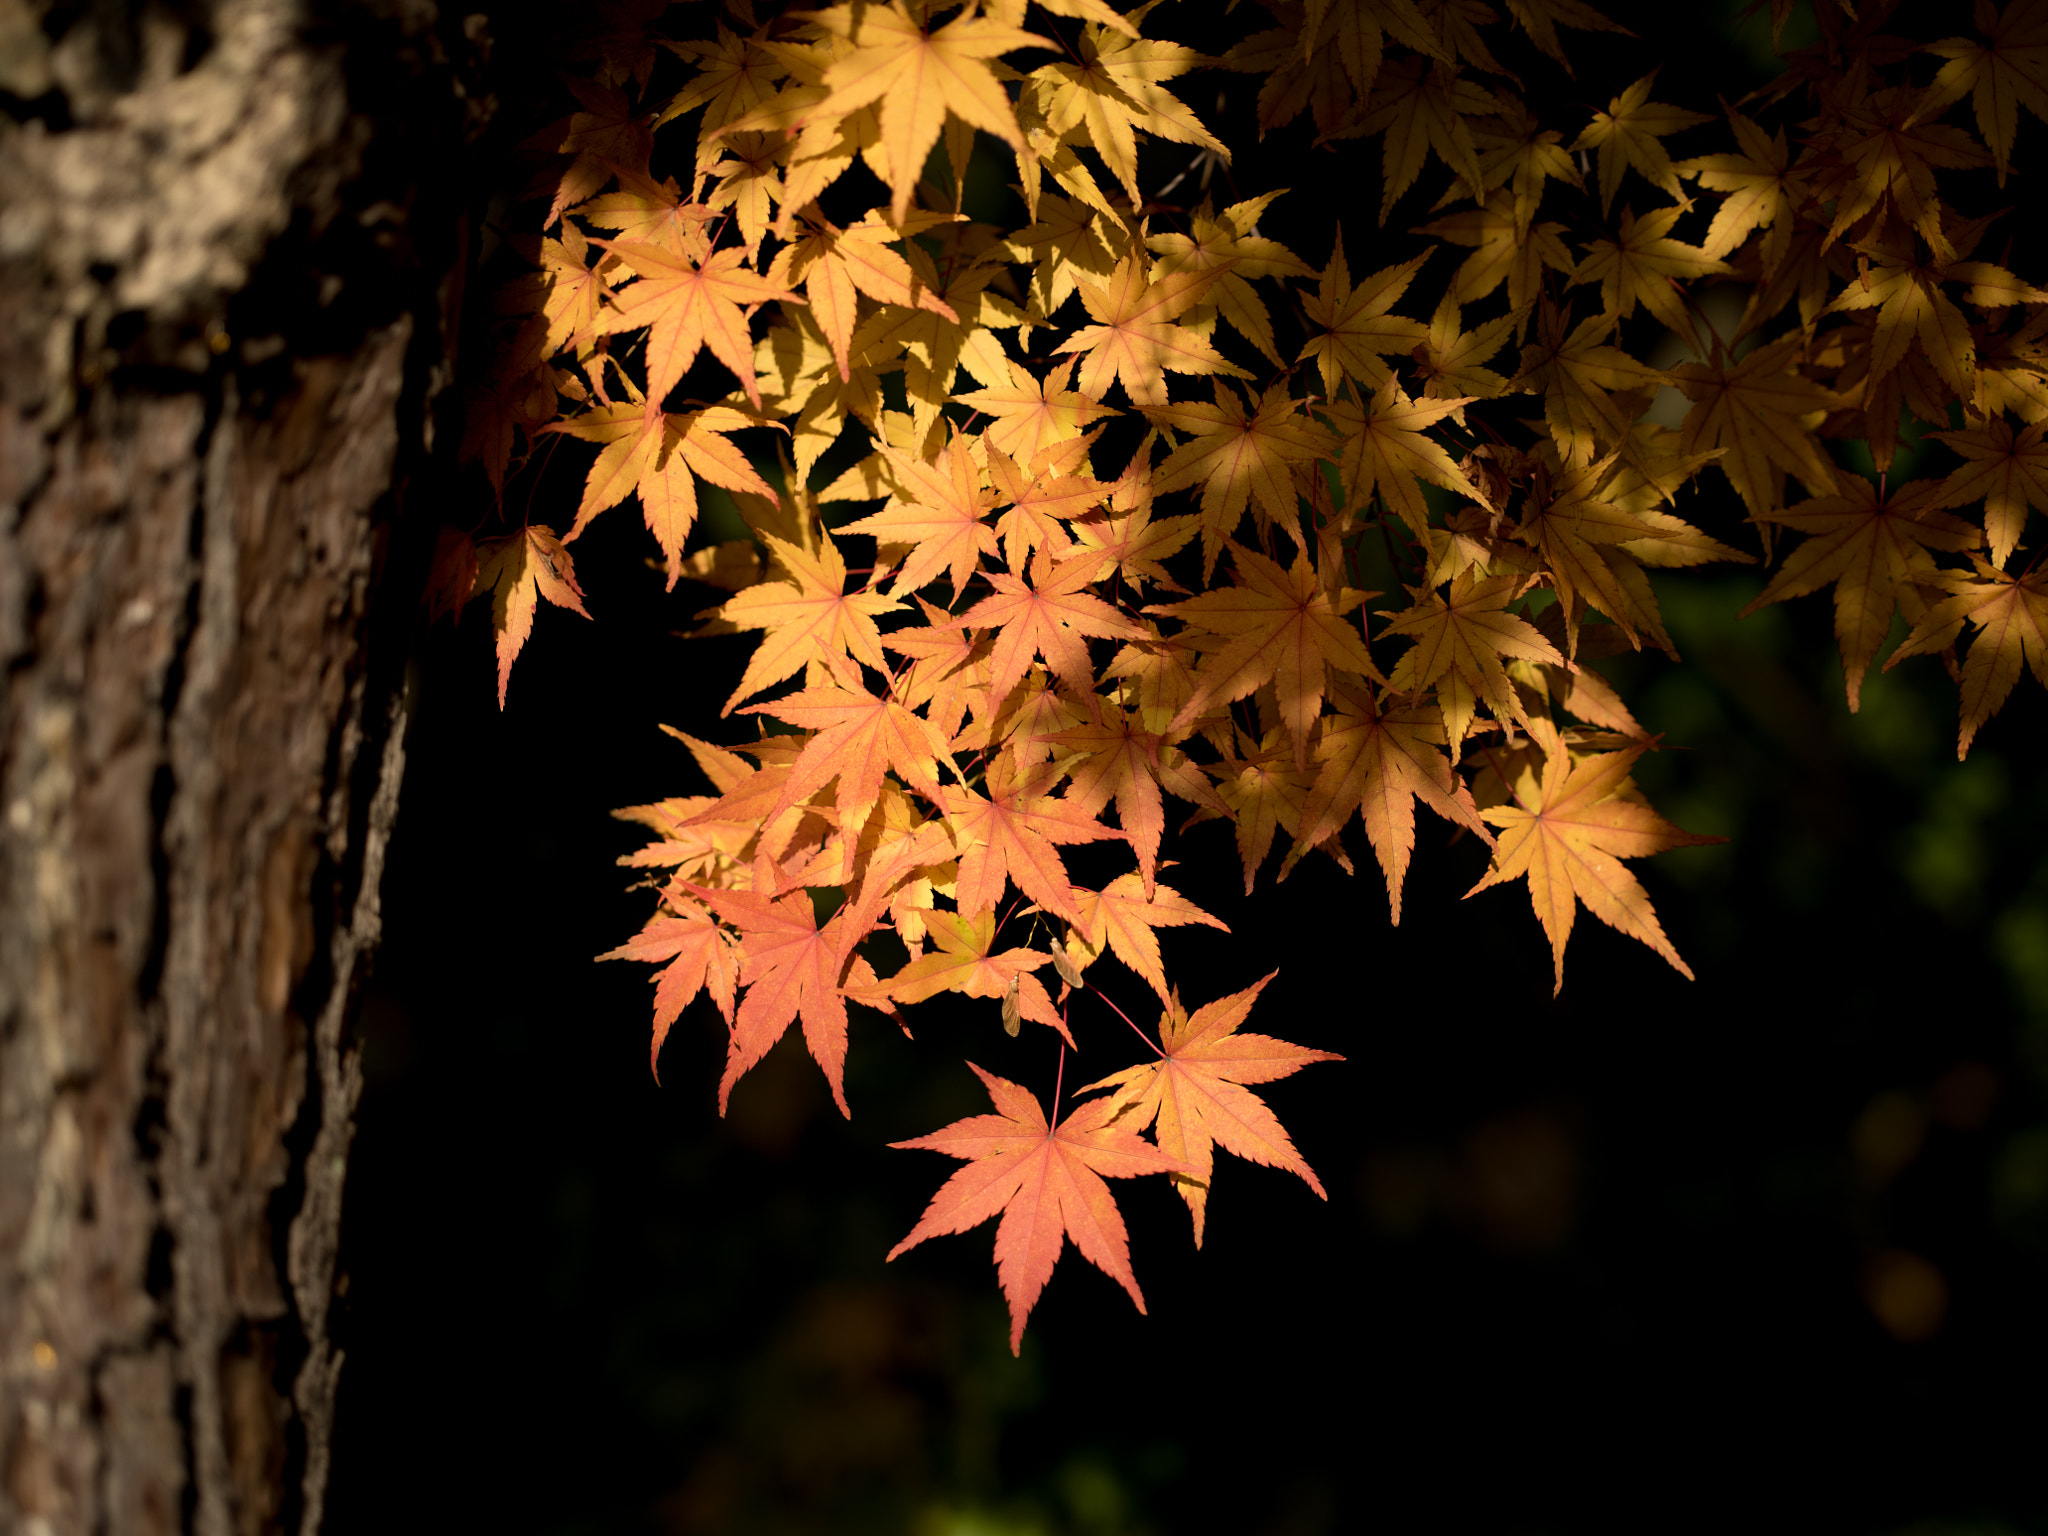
{"type": "Point", "coordinates": [1767, 1248]}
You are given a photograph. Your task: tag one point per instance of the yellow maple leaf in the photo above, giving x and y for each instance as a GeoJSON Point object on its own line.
{"type": "Point", "coordinates": [686, 307]}
{"type": "Point", "coordinates": [2006, 71]}
{"type": "Point", "coordinates": [1764, 412]}
{"type": "Point", "coordinates": [2007, 471]}
{"type": "Point", "coordinates": [1240, 458]}
{"type": "Point", "coordinates": [1378, 762]}
{"type": "Point", "coordinates": [917, 77]}
{"type": "Point", "coordinates": [2010, 616]}
{"type": "Point", "coordinates": [1630, 135]}
{"type": "Point", "coordinates": [1134, 340]}
{"type": "Point", "coordinates": [1460, 640]}
{"type": "Point", "coordinates": [1356, 332]}
{"type": "Point", "coordinates": [1642, 263]}
{"type": "Point", "coordinates": [808, 615]}
{"type": "Point", "coordinates": [1284, 627]}
{"type": "Point", "coordinates": [1872, 549]}
{"type": "Point", "coordinates": [1566, 833]}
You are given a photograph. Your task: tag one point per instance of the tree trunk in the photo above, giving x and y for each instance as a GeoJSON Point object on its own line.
{"type": "Point", "coordinates": [225, 293]}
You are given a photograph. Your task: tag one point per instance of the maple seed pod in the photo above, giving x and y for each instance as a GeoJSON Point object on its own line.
{"type": "Point", "coordinates": [1013, 1008]}
{"type": "Point", "coordinates": [1070, 973]}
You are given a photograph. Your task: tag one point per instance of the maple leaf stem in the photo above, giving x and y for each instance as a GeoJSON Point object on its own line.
{"type": "Point", "coordinates": [1059, 1081]}
{"type": "Point", "coordinates": [1156, 1051]}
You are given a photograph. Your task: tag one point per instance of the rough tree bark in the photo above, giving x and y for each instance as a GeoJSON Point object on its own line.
{"type": "Point", "coordinates": [225, 295]}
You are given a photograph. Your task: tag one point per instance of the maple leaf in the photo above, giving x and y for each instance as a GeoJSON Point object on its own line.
{"type": "Point", "coordinates": [1912, 308]}
{"type": "Point", "coordinates": [1047, 1183]}
{"type": "Point", "coordinates": [1240, 459]}
{"type": "Point", "coordinates": [2005, 72]}
{"type": "Point", "coordinates": [1630, 134]}
{"type": "Point", "coordinates": [685, 307]}
{"type": "Point", "coordinates": [1134, 340]}
{"type": "Point", "coordinates": [1640, 265]}
{"type": "Point", "coordinates": [1420, 105]}
{"type": "Point", "coordinates": [1541, 19]}
{"type": "Point", "coordinates": [1050, 615]}
{"type": "Point", "coordinates": [1284, 627]}
{"type": "Point", "coordinates": [734, 76]}
{"type": "Point", "coordinates": [518, 572]}
{"type": "Point", "coordinates": [1763, 191]}
{"type": "Point", "coordinates": [1573, 520]}
{"type": "Point", "coordinates": [696, 954]}
{"type": "Point", "coordinates": [661, 455]}
{"type": "Point", "coordinates": [834, 264]}
{"type": "Point", "coordinates": [1042, 498]}
{"type": "Point", "coordinates": [1566, 832]}
{"type": "Point", "coordinates": [1386, 449]}
{"type": "Point", "coordinates": [939, 510]}
{"type": "Point", "coordinates": [1032, 415]}
{"type": "Point", "coordinates": [1450, 358]}
{"type": "Point", "coordinates": [809, 617]}
{"type": "Point", "coordinates": [2010, 615]}
{"type": "Point", "coordinates": [968, 962]}
{"type": "Point", "coordinates": [2008, 472]}
{"type": "Point", "coordinates": [1125, 916]}
{"type": "Point", "coordinates": [1885, 155]}
{"type": "Point", "coordinates": [1764, 412]}
{"type": "Point", "coordinates": [792, 967]}
{"type": "Point", "coordinates": [1227, 241]}
{"type": "Point", "coordinates": [1578, 374]}
{"type": "Point", "coordinates": [1262, 791]}
{"type": "Point", "coordinates": [1356, 330]}
{"type": "Point", "coordinates": [916, 78]}
{"type": "Point", "coordinates": [860, 738]}
{"type": "Point", "coordinates": [1010, 831]}
{"type": "Point", "coordinates": [1196, 1095]}
{"type": "Point", "coordinates": [1459, 643]}
{"type": "Point", "coordinates": [1504, 252]}
{"type": "Point", "coordinates": [1111, 91]}
{"type": "Point", "coordinates": [1871, 548]}
{"type": "Point", "coordinates": [1379, 762]}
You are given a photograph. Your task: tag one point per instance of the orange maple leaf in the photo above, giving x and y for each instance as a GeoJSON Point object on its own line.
{"type": "Point", "coordinates": [792, 967]}
{"type": "Point", "coordinates": [1567, 831]}
{"type": "Point", "coordinates": [809, 617]}
{"type": "Point", "coordinates": [968, 962]}
{"type": "Point", "coordinates": [1195, 1094]}
{"type": "Point", "coordinates": [1047, 1183]}
{"type": "Point", "coordinates": [685, 307]}
{"type": "Point", "coordinates": [860, 738]}
{"type": "Point", "coordinates": [1009, 831]}
{"type": "Point", "coordinates": [1051, 615]}
{"type": "Point", "coordinates": [1125, 916]}
{"type": "Point", "coordinates": [1459, 643]}
{"type": "Point", "coordinates": [1240, 459]}
{"type": "Point", "coordinates": [518, 572]}
{"type": "Point", "coordinates": [1134, 339]}
{"type": "Point", "coordinates": [661, 455]}
{"type": "Point", "coordinates": [698, 955]}
{"type": "Point", "coordinates": [939, 510]}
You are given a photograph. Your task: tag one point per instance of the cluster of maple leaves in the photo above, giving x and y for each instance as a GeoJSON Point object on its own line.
{"type": "Point", "coordinates": [1032, 641]}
